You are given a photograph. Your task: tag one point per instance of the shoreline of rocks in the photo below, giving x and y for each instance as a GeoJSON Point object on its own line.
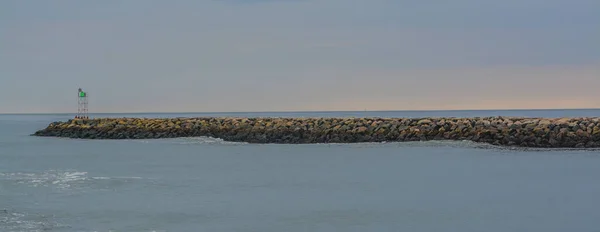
{"type": "Point", "coordinates": [582, 132]}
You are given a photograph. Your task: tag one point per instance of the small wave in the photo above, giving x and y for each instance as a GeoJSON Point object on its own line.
{"type": "Point", "coordinates": [465, 144]}
{"type": "Point", "coordinates": [188, 141]}
{"type": "Point", "coordinates": [206, 140]}
{"type": "Point", "coordinates": [488, 146]}
{"type": "Point", "coordinates": [115, 178]}
{"type": "Point", "coordinates": [60, 179]}
{"type": "Point", "coordinates": [11, 220]}
{"type": "Point", "coordinates": [431, 143]}
{"type": "Point", "coordinates": [448, 143]}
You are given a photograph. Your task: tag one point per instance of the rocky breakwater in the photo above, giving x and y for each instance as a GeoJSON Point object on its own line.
{"type": "Point", "coordinates": [505, 131]}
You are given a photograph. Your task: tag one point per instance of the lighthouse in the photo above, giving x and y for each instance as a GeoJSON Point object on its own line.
{"type": "Point", "coordinates": [82, 104]}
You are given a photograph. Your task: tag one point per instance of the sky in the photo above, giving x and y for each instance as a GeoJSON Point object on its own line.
{"type": "Point", "coordinates": [298, 55]}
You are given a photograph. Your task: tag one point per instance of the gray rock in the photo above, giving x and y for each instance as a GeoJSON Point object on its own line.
{"type": "Point", "coordinates": [531, 132]}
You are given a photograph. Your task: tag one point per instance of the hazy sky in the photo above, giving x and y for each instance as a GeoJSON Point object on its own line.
{"type": "Point", "coordinates": [288, 55]}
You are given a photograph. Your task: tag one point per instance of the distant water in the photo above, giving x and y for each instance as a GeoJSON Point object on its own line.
{"type": "Point", "coordinates": [205, 184]}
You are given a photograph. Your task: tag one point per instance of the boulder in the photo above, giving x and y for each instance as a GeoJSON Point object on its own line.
{"type": "Point", "coordinates": [534, 132]}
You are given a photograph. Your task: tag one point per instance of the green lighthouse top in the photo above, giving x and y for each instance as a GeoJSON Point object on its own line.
{"type": "Point", "coordinates": [81, 93]}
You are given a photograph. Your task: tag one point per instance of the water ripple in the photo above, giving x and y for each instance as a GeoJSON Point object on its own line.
{"type": "Point", "coordinates": [11, 220]}
{"type": "Point", "coordinates": [62, 179]}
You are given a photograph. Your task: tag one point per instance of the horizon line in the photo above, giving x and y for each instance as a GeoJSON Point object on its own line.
{"type": "Point", "coordinates": [305, 111]}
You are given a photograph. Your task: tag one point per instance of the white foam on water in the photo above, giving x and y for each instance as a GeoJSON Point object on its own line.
{"type": "Point", "coordinates": [16, 221]}
{"type": "Point", "coordinates": [187, 141]}
{"type": "Point", "coordinates": [59, 178]}
{"type": "Point", "coordinates": [431, 143]}
{"type": "Point", "coordinates": [116, 178]}
{"type": "Point", "coordinates": [465, 144]}
{"type": "Point", "coordinates": [446, 143]}
{"type": "Point", "coordinates": [206, 140]}
{"type": "Point", "coordinates": [203, 140]}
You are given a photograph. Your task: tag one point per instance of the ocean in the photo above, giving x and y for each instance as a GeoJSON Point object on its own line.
{"type": "Point", "coordinates": [206, 184]}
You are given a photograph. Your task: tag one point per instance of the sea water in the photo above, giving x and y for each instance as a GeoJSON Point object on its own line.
{"type": "Point", "coordinates": [206, 184]}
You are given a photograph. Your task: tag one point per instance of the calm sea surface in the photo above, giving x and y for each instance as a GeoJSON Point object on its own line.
{"type": "Point", "coordinates": [204, 184]}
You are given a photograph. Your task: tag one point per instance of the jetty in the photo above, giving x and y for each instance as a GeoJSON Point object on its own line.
{"type": "Point", "coordinates": [502, 131]}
